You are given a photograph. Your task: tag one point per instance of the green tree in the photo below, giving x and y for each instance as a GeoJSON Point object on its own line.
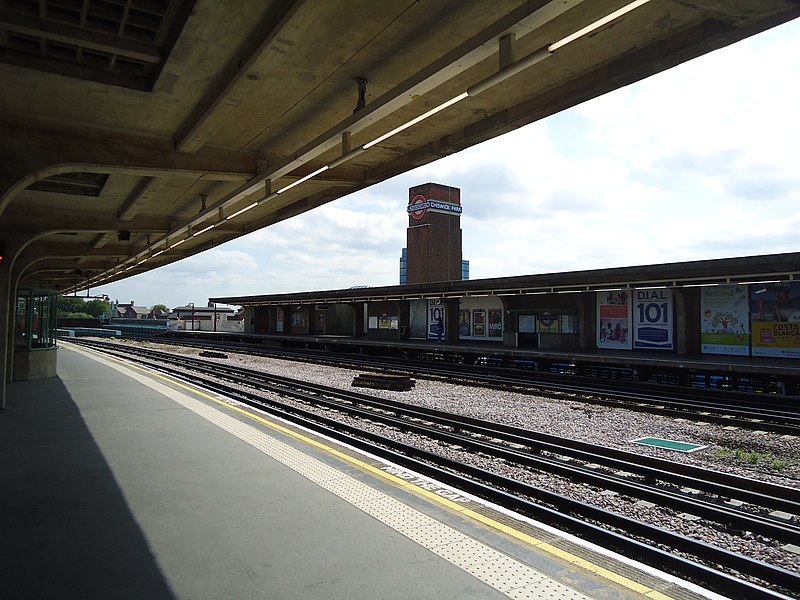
{"type": "Point", "coordinates": [70, 305]}
{"type": "Point", "coordinates": [77, 307]}
{"type": "Point", "coordinates": [162, 307]}
{"type": "Point", "coordinates": [97, 307]}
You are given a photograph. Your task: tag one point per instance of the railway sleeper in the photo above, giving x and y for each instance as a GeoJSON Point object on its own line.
{"type": "Point", "coordinates": [397, 383]}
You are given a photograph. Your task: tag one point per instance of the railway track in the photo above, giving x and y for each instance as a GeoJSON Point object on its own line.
{"type": "Point", "coordinates": [644, 478]}
{"type": "Point", "coordinates": [764, 413]}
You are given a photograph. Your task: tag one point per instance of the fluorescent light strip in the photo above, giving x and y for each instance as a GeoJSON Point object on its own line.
{"type": "Point", "coordinates": [302, 179]}
{"type": "Point", "coordinates": [238, 212]}
{"type": "Point", "coordinates": [178, 243]}
{"type": "Point", "coordinates": [509, 71]}
{"type": "Point", "coordinates": [159, 252]}
{"type": "Point", "coordinates": [345, 157]}
{"type": "Point", "coordinates": [412, 122]}
{"type": "Point", "coordinates": [204, 230]}
{"type": "Point", "coordinates": [596, 25]}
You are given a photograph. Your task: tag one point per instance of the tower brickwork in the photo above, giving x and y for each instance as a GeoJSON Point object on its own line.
{"type": "Point", "coordinates": [434, 233]}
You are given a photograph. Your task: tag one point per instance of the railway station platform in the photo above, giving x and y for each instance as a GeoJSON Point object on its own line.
{"type": "Point", "coordinates": [119, 483]}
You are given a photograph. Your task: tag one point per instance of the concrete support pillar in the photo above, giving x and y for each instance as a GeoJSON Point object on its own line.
{"type": "Point", "coordinates": [451, 323]}
{"type": "Point", "coordinates": [403, 313]}
{"type": "Point", "coordinates": [510, 326]}
{"type": "Point", "coordinates": [587, 321]}
{"type": "Point", "coordinates": [358, 318]}
{"type": "Point", "coordinates": [687, 327]}
{"type": "Point", "coordinates": [8, 303]}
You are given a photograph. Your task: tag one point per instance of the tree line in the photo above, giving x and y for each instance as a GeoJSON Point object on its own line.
{"type": "Point", "coordinates": [75, 307]}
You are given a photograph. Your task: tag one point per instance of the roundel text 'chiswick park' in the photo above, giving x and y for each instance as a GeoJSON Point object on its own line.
{"type": "Point", "coordinates": [419, 205]}
{"type": "Point", "coordinates": [434, 233]}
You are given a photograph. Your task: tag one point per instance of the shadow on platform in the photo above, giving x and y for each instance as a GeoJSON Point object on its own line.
{"type": "Point", "coordinates": [66, 530]}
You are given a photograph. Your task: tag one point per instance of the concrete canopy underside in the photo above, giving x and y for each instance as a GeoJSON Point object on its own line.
{"type": "Point", "coordinates": [128, 127]}
{"type": "Point", "coordinates": [137, 133]}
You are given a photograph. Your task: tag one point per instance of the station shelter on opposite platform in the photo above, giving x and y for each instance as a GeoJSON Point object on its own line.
{"type": "Point", "coordinates": [748, 306]}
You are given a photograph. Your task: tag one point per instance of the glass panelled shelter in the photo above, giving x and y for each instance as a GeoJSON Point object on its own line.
{"type": "Point", "coordinates": [35, 334]}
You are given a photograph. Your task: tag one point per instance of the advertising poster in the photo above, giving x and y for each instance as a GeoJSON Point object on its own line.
{"type": "Point", "coordinates": [479, 322]}
{"type": "Point", "coordinates": [279, 324]}
{"type": "Point", "coordinates": [298, 319]}
{"type": "Point", "coordinates": [724, 320]}
{"type": "Point", "coordinates": [527, 324]}
{"type": "Point", "coordinates": [652, 320]}
{"type": "Point", "coordinates": [775, 319]}
{"type": "Point", "coordinates": [418, 319]}
{"type": "Point", "coordinates": [436, 320]}
{"type": "Point", "coordinates": [495, 323]}
{"type": "Point", "coordinates": [548, 322]}
{"type": "Point", "coordinates": [613, 320]}
{"type": "Point", "coordinates": [464, 326]}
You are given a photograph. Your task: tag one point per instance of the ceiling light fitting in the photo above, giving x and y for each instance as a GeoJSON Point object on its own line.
{"type": "Point", "coordinates": [196, 233]}
{"type": "Point", "coordinates": [418, 119]}
{"type": "Point", "coordinates": [596, 25]}
{"type": "Point", "coordinates": [240, 211]}
{"type": "Point", "coordinates": [302, 179]}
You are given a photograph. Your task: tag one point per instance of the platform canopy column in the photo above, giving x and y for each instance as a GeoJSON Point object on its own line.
{"type": "Point", "coordinates": [451, 327]}
{"type": "Point", "coordinates": [10, 247]}
{"type": "Point", "coordinates": [359, 321]}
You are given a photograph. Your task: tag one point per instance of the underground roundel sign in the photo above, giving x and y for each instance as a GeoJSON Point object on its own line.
{"type": "Point", "coordinates": [418, 206]}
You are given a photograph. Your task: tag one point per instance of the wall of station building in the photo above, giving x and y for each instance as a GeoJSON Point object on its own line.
{"type": "Point", "coordinates": [736, 320]}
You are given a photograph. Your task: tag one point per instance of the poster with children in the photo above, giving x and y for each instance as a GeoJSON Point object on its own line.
{"type": "Point", "coordinates": [614, 320]}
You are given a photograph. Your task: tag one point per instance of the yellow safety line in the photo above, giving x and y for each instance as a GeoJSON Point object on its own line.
{"type": "Point", "coordinates": [542, 545]}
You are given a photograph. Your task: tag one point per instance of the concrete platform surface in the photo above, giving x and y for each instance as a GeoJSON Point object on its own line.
{"type": "Point", "coordinates": [115, 483]}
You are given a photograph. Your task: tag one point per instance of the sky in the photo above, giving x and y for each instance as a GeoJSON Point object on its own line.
{"type": "Point", "coordinates": [699, 162]}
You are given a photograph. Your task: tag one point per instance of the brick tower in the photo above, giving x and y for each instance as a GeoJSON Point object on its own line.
{"type": "Point", "coordinates": [434, 233]}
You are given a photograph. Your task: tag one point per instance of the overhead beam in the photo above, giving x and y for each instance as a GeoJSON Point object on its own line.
{"type": "Point", "coordinates": [133, 202]}
{"type": "Point", "coordinates": [33, 219]}
{"type": "Point", "coordinates": [100, 240]}
{"type": "Point", "coordinates": [194, 132]}
{"type": "Point", "coordinates": [41, 153]}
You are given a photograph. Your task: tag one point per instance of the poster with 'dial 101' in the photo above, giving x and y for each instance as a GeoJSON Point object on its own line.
{"type": "Point", "coordinates": [652, 319]}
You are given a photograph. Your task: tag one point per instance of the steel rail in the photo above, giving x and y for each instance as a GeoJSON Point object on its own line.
{"type": "Point", "coordinates": [781, 417]}
{"type": "Point", "coordinates": [764, 494]}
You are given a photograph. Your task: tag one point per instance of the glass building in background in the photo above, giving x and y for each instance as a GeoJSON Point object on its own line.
{"type": "Point", "coordinates": [404, 266]}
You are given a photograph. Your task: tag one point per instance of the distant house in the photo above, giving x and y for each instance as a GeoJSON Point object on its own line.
{"type": "Point", "coordinates": [129, 311]}
{"type": "Point", "coordinates": [207, 318]}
